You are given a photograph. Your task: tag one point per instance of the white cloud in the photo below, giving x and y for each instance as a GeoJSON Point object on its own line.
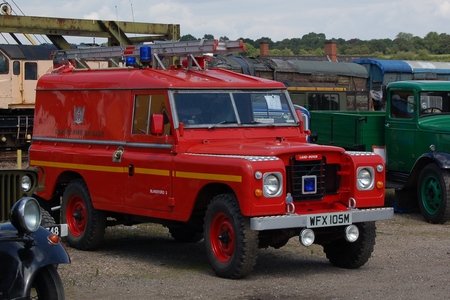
{"type": "Point", "coordinates": [264, 18]}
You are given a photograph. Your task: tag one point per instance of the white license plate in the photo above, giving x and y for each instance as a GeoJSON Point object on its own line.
{"type": "Point", "coordinates": [60, 230]}
{"type": "Point", "coordinates": [331, 219]}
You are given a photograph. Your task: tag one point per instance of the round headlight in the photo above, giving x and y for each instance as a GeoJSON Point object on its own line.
{"type": "Point", "coordinates": [307, 237]}
{"type": "Point", "coordinates": [365, 178]}
{"type": "Point", "coordinates": [272, 185]}
{"type": "Point", "coordinates": [351, 233]}
{"type": "Point", "coordinates": [26, 215]}
{"type": "Point", "coordinates": [26, 183]}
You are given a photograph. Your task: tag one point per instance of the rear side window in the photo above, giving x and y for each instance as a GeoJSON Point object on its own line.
{"type": "Point", "coordinates": [144, 107]}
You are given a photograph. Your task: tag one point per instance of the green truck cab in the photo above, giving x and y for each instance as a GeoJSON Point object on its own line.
{"type": "Point", "coordinates": [412, 134]}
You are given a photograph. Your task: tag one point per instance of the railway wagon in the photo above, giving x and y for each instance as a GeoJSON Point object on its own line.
{"type": "Point", "coordinates": [381, 72]}
{"type": "Point", "coordinates": [20, 68]}
{"type": "Point", "coordinates": [316, 85]}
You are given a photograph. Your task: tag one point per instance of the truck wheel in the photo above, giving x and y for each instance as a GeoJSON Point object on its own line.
{"type": "Point", "coordinates": [231, 246]}
{"type": "Point", "coordinates": [47, 285]}
{"type": "Point", "coordinates": [434, 194]}
{"type": "Point", "coordinates": [86, 224]}
{"type": "Point", "coordinates": [185, 235]}
{"type": "Point", "coordinates": [47, 219]}
{"type": "Point", "coordinates": [352, 255]}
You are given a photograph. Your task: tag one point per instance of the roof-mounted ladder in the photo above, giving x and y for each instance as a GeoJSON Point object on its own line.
{"type": "Point", "coordinates": [152, 52]}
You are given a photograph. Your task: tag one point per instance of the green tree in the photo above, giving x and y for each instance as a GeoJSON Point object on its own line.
{"type": "Point", "coordinates": [403, 42]}
{"type": "Point", "coordinates": [284, 52]}
{"type": "Point", "coordinates": [250, 50]}
{"type": "Point", "coordinates": [188, 37]}
{"type": "Point", "coordinates": [432, 42]}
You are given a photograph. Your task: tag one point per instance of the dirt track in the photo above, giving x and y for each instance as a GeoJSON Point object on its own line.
{"type": "Point", "coordinates": [411, 261]}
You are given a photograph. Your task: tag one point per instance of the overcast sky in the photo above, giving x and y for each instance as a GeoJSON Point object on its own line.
{"type": "Point", "coordinates": [276, 19]}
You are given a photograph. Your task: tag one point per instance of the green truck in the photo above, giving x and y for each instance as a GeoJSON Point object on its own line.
{"type": "Point", "coordinates": [412, 134]}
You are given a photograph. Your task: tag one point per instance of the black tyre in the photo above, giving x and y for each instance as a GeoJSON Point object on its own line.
{"type": "Point", "coordinates": [47, 219]}
{"type": "Point", "coordinates": [86, 224]}
{"type": "Point", "coordinates": [47, 285]}
{"type": "Point", "coordinates": [185, 235]}
{"type": "Point", "coordinates": [434, 194]}
{"type": "Point", "coordinates": [352, 255]}
{"type": "Point", "coordinates": [231, 246]}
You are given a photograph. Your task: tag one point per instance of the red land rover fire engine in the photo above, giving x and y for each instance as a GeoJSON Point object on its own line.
{"type": "Point", "coordinates": [208, 153]}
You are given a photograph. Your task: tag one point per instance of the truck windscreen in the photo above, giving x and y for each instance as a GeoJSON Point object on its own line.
{"type": "Point", "coordinates": [207, 108]}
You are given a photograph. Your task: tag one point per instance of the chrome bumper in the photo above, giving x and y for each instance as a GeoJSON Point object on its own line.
{"type": "Point", "coordinates": [300, 221]}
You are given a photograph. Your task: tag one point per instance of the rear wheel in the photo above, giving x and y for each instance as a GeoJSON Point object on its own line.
{"type": "Point", "coordinates": [434, 194]}
{"type": "Point", "coordinates": [352, 255]}
{"type": "Point", "coordinates": [47, 285]}
{"type": "Point", "coordinates": [231, 246]}
{"type": "Point", "coordinates": [86, 224]}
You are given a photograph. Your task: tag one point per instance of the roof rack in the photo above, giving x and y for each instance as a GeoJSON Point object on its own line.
{"type": "Point", "coordinates": [149, 54]}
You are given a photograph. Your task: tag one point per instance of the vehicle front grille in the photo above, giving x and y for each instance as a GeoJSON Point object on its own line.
{"type": "Point", "coordinates": [326, 176]}
{"type": "Point", "coordinates": [11, 190]}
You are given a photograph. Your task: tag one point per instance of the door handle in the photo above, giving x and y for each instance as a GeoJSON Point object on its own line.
{"type": "Point", "coordinates": [117, 155]}
{"type": "Point", "coordinates": [387, 125]}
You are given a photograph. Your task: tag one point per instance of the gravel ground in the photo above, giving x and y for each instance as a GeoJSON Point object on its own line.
{"type": "Point", "coordinates": [411, 260]}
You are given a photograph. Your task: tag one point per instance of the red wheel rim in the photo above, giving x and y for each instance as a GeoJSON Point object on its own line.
{"type": "Point", "coordinates": [222, 237]}
{"type": "Point", "coordinates": [76, 215]}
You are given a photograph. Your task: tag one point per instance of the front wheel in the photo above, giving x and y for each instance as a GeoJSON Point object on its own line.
{"type": "Point", "coordinates": [86, 224]}
{"type": "Point", "coordinates": [47, 285]}
{"type": "Point", "coordinates": [434, 194]}
{"type": "Point", "coordinates": [352, 255]}
{"type": "Point", "coordinates": [231, 246]}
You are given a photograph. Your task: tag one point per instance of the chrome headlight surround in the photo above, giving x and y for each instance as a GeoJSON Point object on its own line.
{"type": "Point", "coordinates": [26, 215]}
{"type": "Point", "coordinates": [26, 183]}
{"type": "Point", "coordinates": [365, 178]}
{"type": "Point", "coordinates": [272, 184]}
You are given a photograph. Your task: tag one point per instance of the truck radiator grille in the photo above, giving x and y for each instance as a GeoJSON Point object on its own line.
{"type": "Point", "coordinates": [10, 193]}
{"type": "Point", "coordinates": [11, 189]}
{"type": "Point", "coordinates": [327, 179]}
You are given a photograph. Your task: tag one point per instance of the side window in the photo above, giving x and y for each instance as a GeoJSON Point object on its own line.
{"type": "Point", "coordinates": [30, 71]}
{"type": "Point", "coordinates": [144, 107]}
{"type": "Point", "coordinates": [4, 64]}
{"type": "Point", "coordinates": [16, 67]}
{"type": "Point", "coordinates": [402, 105]}
{"type": "Point", "coordinates": [323, 101]}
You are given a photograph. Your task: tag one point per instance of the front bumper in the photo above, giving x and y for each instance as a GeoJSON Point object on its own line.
{"type": "Point", "coordinates": [301, 221]}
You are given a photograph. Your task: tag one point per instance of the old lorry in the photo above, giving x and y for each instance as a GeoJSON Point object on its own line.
{"type": "Point", "coordinates": [208, 153]}
{"type": "Point", "coordinates": [413, 134]}
{"type": "Point", "coordinates": [29, 254]}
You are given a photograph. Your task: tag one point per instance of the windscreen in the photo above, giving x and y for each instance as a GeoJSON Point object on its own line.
{"type": "Point", "coordinates": [434, 103]}
{"type": "Point", "coordinates": [208, 108]}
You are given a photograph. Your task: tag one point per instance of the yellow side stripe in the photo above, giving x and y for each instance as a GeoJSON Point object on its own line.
{"type": "Point", "coordinates": [152, 172]}
{"type": "Point", "coordinates": [157, 172]}
{"type": "Point", "coordinates": [208, 176]}
{"type": "Point", "coordinates": [79, 166]}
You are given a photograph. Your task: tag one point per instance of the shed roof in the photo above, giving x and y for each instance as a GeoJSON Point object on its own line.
{"type": "Point", "coordinates": [28, 52]}
{"type": "Point", "coordinates": [325, 67]}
